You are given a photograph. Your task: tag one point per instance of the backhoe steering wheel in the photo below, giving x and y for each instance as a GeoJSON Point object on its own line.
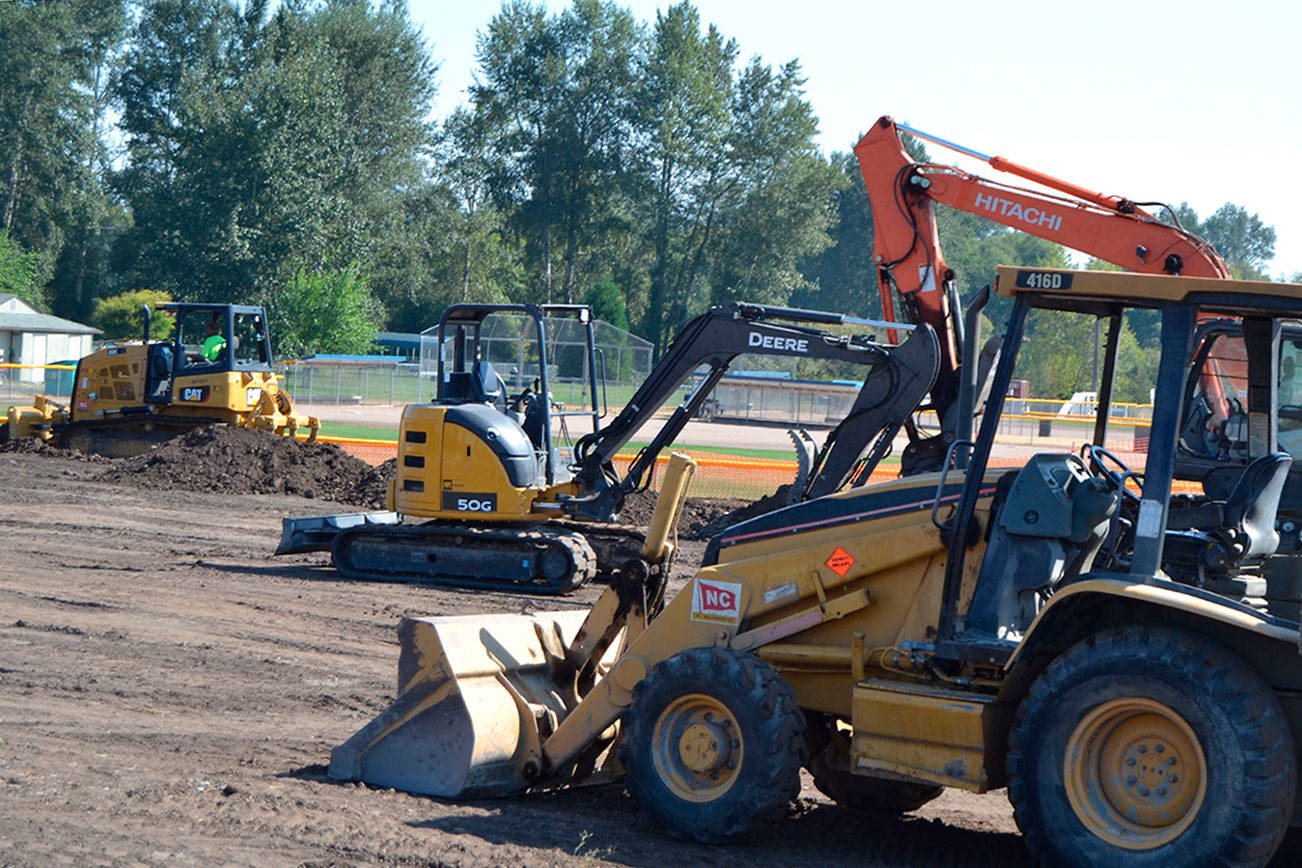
{"type": "Point", "coordinates": [1098, 458]}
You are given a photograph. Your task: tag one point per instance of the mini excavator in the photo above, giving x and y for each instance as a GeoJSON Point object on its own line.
{"type": "Point", "coordinates": [128, 397]}
{"type": "Point", "coordinates": [483, 497]}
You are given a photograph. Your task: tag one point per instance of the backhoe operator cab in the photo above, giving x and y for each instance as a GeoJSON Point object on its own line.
{"type": "Point", "coordinates": [1145, 703]}
{"type": "Point", "coordinates": [1214, 444]}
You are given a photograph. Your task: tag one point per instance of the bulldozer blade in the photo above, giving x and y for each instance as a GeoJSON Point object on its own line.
{"type": "Point", "coordinates": [476, 693]}
{"type": "Point", "coordinates": [315, 533]}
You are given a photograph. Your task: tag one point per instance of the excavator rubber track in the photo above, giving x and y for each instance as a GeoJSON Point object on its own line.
{"type": "Point", "coordinates": [613, 545]}
{"type": "Point", "coordinates": [499, 558]}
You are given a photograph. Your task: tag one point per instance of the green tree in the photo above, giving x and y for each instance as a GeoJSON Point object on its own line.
{"type": "Point", "coordinates": [1245, 243]}
{"type": "Point", "coordinates": [18, 271]}
{"type": "Point", "coordinates": [121, 316]}
{"type": "Point", "coordinates": [554, 95]}
{"type": "Point", "coordinates": [325, 312]}
{"type": "Point", "coordinates": [777, 205]}
{"type": "Point", "coordinates": [52, 99]}
{"type": "Point", "coordinates": [608, 302]}
{"type": "Point", "coordinates": [261, 147]}
{"type": "Point", "coordinates": [843, 277]}
{"type": "Point", "coordinates": [684, 98]}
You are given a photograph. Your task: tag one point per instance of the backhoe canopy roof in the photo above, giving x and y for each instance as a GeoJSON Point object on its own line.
{"type": "Point", "coordinates": [1084, 290]}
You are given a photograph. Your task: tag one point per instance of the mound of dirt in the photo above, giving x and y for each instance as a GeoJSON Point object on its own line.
{"type": "Point", "coordinates": [240, 461]}
{"type": "Point", "coordinates": [718, 525]}
{"type": "Point", "coordinates": [702, 517]}
{"type": "Point", "coordinates": [32, 445]}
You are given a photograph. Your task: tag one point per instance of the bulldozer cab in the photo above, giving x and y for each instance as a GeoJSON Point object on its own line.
{"type": "Point", "coordinates": [212, 338]}
{"type": "Point", "coordinates": [1067, 517]}
{"type": "Point", "coordinates": [518, 358]}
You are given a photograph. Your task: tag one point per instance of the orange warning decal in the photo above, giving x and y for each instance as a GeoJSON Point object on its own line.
{"type": "Point", "coordinates": [840, 562]}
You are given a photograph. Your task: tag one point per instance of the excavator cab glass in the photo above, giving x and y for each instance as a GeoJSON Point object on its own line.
{"type": "Point", "coordinates": [211, 338]}
{"type": "Point", "coordinates": [251, 347]}
{"type": "Point", "coordinates": [1290, 392]}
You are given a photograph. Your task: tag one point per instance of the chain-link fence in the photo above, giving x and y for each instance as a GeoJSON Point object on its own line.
{"type": "Point", "coordinates": [21, 383]}
{"type": "Point", "coordinates": [354, 381]}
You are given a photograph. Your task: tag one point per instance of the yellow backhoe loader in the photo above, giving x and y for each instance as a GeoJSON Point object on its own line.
{"type": "Point", "coordinates": [128, 397]}
{"type": "Point", "coordinates": [1068, 630]}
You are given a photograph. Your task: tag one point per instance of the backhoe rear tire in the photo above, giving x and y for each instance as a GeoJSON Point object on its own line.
{"type": "Point", "coordinates": [713, 744]}
{"type": "Point", "coordinates": [1151, 746]}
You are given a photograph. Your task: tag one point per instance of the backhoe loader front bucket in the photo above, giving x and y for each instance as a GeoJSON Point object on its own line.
{"type": "Point", "coordinates": [472, 693]}
{"type": "Point", "coordinates": [480, 695]}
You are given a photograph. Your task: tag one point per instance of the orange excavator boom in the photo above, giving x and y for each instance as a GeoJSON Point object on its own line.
{"type": "Point", "coordinates": [907, 247]}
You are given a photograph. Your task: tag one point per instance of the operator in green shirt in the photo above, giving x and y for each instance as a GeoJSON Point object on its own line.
{"type": "Point", "coordinates": [214, 344]}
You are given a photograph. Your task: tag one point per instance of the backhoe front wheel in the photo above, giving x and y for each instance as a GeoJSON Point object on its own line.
{"type": "Point", "coordinates": [713, 744]}
{"type": "Point", "coordinates": [1150, 746]}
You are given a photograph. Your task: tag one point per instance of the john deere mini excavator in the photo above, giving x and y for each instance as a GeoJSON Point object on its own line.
{"type": "Point", "coordinates": [128, 397]}
{"type": "Point", "coordinates": [1067, 630]}
{"type": "Point", "coordinates": [483, 498]}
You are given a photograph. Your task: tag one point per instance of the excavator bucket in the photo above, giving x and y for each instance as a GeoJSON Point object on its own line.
{"type": "Point", "coordinates": [479, 694]}
{"type": "Point", "coordinates": [472, 690]}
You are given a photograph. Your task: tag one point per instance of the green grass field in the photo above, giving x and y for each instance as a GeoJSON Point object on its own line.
{"type": "Point", "coordinates": [348, 430]}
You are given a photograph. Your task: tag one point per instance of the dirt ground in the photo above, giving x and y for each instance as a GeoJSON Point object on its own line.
{"type": "Point", "coordinates": [169, 694]}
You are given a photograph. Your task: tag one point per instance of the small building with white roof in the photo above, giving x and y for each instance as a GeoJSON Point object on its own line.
{"type": "Point", "coordinates": [29, 337]}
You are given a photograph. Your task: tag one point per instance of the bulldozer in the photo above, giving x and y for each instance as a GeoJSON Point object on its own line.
{"type": "Point", "coordinates": [484, 497]}
{"type": "Point", "coordinates": [130, 396]}
{"type": "Point", "coordinates": [1068, 630]}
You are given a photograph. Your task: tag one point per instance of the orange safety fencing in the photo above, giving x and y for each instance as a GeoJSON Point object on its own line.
{"type": "Point", "coordinates": [732, 476]}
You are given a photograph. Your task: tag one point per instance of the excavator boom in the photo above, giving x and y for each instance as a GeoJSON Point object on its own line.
{"type": "Point", "coordinates": [911, 265]}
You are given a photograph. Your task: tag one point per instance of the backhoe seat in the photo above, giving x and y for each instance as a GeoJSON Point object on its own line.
{"type": "Point", "coordinates": [1246, 533]}
{"type": "Point", "coordinates": [1251, 507]}
{"type": "Point", "coordinates": [1051, 520]}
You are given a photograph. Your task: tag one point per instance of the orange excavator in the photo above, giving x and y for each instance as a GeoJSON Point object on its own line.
{"type": "Point", "coordinates": [911, 267]}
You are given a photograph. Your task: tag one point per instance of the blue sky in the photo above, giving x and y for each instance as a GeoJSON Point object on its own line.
{"type": "Point", "coordinates": [1191, 101]}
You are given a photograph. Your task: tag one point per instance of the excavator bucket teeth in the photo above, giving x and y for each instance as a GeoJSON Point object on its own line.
{"type": "Point", "coordinates": [475, 694]}
{"type": "Point", "coordinates": [806, 450]}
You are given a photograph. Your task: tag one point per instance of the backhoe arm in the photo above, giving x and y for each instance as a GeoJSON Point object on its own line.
{"type": "Point", "coordinates": [714, 340]}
